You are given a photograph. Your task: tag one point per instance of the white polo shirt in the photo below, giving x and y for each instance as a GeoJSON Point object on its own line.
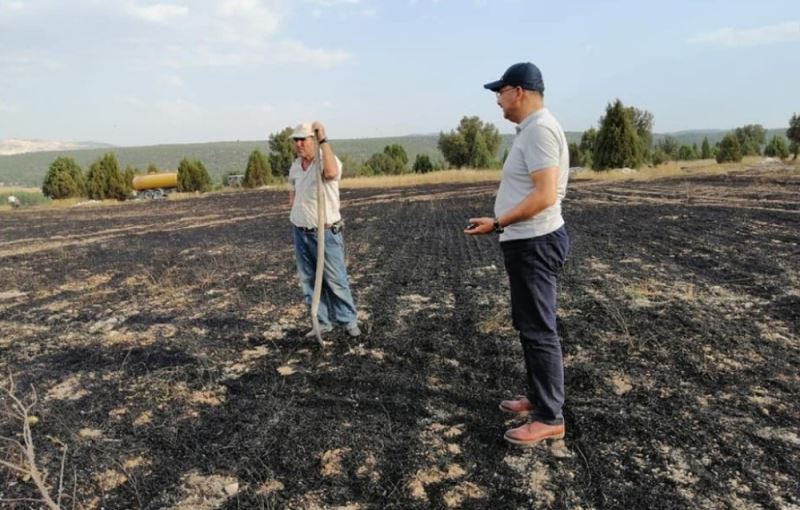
{"type": "Point", "coordinates": [304, 208]}
{"type": "Point", "coordinates": [540, 143]}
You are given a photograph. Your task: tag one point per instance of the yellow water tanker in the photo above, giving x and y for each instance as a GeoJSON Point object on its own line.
{"type": "Point", "coordinates": [154, 181]}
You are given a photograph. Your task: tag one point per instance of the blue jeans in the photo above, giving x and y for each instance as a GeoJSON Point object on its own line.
{"type": "Point", "coordinates": [533, 265]}
{"type": "Point", "coordinates": [336, 301]}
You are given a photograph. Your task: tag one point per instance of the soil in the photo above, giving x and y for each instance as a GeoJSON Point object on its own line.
{"type": "Point", "coordinates": [165, 344]}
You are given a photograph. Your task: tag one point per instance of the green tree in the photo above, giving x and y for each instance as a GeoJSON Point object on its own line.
{"type": "Point", "coordinates": [729, 149]}
{"type": "Point", "coordinates": [397, 152]}
{"type": "Point", "coordinates": [617, 144]}
{"type": "Point", "coordinates": [777, 148]}
{"type": "Point", "coordinates": [643, 123]}
{"type": "Point", "coordinates": [352, 167]}
{"type": "Point", "coordinates": [64, 179]}
{"type": "Point", "coordinates": [705, 149]}
{"type": "Point", "coordinates": [193, 176]}
{"type": "Point", "coordinates": [127, 178]}
{"type": "Point", "coordinates": [793, 134]}
{"type": "Point", "coordinates": [383, 164]}
{"type": "Point", "coordinates": [281, 152]}
{"type": "Point", "coordinates": [152, 169]}
{"type": "Point", "coordinates": [423, 164]}
{"type": "Point", "coordinates": [687, 153]}
{"type": "Point", "coordinates": [794, 148]}
{"type": "Point", "coordinates": [751, 137]}
{"type": "Point", "coordinates": [473, 144]}
{"type": "Point", "coordinates": [574, 154]}
{"type": "Point", "coordinates": [669, 146]}
{"type": "Point", "coordinates": [258, 172]}
{"type": "Point", "coordinates": [104, 179]}
{"type": "Point", "coordinates": [659, 157]}
{"type": "Point", "coordinates": [586, 147]}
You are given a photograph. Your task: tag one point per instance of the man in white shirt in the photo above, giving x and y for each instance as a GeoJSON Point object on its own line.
{"type": "Point", "coordinates": [535, 245]}
{"type": "Point", "coordinates": [336, 300]}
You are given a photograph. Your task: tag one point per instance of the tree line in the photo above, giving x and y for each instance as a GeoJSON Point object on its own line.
{"type": "Point", "coordinates": [104, 179]}
{"type": "Point", "coordinates": [624, 138]}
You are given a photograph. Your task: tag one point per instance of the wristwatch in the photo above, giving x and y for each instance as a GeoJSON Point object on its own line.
{"type": "Point", "coordinates": [497, 228]}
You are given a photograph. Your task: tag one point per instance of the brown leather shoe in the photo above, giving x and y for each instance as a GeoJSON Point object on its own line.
{"type": "Point", "coordinates": [519, 406]}
{"type": "Point", "coordinates": [533, 432]}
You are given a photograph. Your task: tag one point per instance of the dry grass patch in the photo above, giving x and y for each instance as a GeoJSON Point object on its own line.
{"type": "Point", "coordinates": [442, 177]}
{"type": "Point", "coordinates": [668, 169]}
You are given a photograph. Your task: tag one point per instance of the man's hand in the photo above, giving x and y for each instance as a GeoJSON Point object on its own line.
{"type": "Point", "coordinates": [319, 130]}
{"type": "Point", "coordinates": [480, 226]}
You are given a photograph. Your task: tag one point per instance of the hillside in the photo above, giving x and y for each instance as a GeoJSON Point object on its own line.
{"type": "Point", "coordinates": [223, 157]}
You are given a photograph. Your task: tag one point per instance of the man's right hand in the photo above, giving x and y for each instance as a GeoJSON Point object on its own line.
{"type": "Point", "coordinates": [480, 226]}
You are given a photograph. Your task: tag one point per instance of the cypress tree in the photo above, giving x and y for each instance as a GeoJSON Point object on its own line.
{"type": "Point", "coordinates": [729, 149]}
{"type": "Point", "coordinates": [617, 144]}
{"type": "Point", "coordinates": [64, 179]}
{"type": "Point", "coordinates": [258, 172]}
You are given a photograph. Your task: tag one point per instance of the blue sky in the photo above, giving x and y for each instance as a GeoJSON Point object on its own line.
{"type": "Point", "coordinates": [138, 72]}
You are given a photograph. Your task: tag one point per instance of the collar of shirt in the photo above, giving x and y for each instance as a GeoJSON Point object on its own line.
{"type": "Point", "coordinates": [527, 120]}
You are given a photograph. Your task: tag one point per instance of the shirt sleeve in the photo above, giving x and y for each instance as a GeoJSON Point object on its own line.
{"type": "Point", "coordinates": [543, 149]}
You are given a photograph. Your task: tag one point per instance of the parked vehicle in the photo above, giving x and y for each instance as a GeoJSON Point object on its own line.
{"type": "Point", "coordinates": [154, 186]}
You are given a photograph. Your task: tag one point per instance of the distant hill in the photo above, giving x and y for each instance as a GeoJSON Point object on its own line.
{"type": "Point", "coordinates": [12, 146]}
{"type": "Point", "coordinates": [222, 157]}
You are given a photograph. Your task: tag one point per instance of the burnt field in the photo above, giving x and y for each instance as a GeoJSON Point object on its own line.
{"type": "Point", "coordinates": [165, 344]}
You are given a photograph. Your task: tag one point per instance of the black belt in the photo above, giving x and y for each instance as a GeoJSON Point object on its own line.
{"type": "Point", "coordinates": [335, 227]}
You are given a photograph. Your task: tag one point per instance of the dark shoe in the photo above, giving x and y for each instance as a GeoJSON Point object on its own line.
{"type": "Point", "coordinates": [519, 406]}
{"type": "Point", "coordinates": [534, 432]}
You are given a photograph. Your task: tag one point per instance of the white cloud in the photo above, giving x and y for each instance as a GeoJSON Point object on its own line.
{"type": "Point", "coordinates": [297, 53]}
{"type": "Point", "coordinates": [156, 13]}
{"type": "Point", "coordinates": [6, 108]}
{"type": "Point", "coordinates": [771, 34]}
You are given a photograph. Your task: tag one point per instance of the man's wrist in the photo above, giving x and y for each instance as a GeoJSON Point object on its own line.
{"type": "Point", "coordinates": [497, 227]}
{"type": "Point", "coordinates": [323, 141]}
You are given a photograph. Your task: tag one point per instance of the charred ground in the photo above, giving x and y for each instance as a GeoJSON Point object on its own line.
{"type": "Point", "coordinates": [165, 342]}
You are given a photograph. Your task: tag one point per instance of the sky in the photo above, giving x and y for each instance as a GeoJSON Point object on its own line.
{"type": "Point", "coordinates": [142, 72]}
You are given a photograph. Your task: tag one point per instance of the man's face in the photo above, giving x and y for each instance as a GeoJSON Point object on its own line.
{"type": "Point", "coordinates": [507, 99]}
{"type": "Point", "coordinates": [304, 147]}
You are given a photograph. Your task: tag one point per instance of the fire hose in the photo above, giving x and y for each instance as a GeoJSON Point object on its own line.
{"type": "Point", "coordinates": [320, 242]}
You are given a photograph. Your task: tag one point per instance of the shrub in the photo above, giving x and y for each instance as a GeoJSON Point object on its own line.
{"type": "Point", "coordinates": [423, 164]}
{"type": "Point", "coordinates": [281, 152]}
{"type": "Point", "coordinates": [617, 144]}
{"type": "Point", "coordinates": [258, 172]}
{"type": "Point", "coordinates": [64, 179]}
{"type": "Point", "coordinates": [473, 144]}
{"type": "Point", "coordinates": [193, 176]}
{"type": "Point", "coordinates": [729, 149]}
{"type": "Point", "coordinates": [104, 179]}
{"type": "Point", "coordinates": [777, 148]}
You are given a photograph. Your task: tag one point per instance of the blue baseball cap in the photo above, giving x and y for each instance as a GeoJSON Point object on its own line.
{"type": "Point", "coordinates": [524, 74]}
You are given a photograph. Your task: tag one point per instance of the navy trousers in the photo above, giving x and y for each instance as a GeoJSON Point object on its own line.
{"type": "Point", "coordinates": [532, 266]}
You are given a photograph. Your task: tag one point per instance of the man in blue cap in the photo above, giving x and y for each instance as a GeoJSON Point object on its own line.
{"type": "Point", "coordinates": [535, 245]}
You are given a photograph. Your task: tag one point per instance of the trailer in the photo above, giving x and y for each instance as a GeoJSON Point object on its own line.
{"type": "Point", "coordinates": [154, 186]}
